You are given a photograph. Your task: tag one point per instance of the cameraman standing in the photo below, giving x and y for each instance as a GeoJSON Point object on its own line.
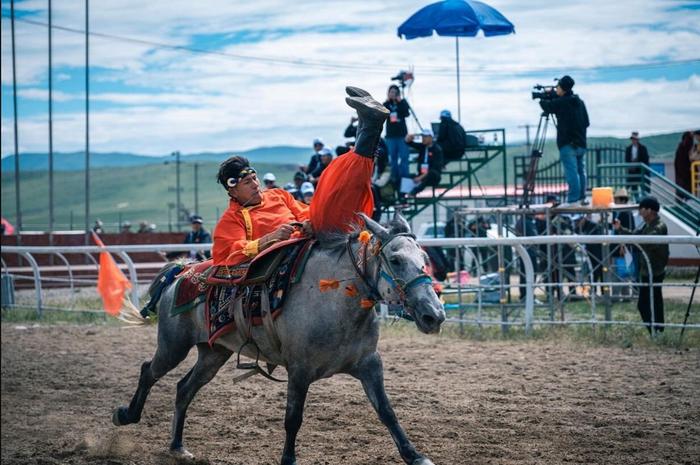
{"type": "Point", "coordinates": [572, 121]}
{"type": "Point", "coordinates": [396, 131]}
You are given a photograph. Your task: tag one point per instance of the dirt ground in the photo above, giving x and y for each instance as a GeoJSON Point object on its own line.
{"type": "Point", "coordinates": [461, 402]}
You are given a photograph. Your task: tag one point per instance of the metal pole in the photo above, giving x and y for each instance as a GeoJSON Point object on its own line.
{"type": "Point", "coordinates": [196, 189]}
{"type": "Point", "coordinates": [459, 96]}
{"type": "Point", "coordinates": [18, 208]}
{"type": "Point", "coordinates": [177, 189]}
{"type": "Point", "coordinates": [51, 212]}
{"type": "Point", "coordinates": [87, 123]}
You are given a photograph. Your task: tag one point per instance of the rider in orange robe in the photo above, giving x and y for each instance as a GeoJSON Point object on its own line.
{"type": "Point", "coordinates": [257, 219]}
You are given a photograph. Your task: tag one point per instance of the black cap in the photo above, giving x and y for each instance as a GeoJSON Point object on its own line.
{"type": "Point", "coordinates": [651, 203]}
{"type": "Point", "coordinates": [566, 83]}
{"type": "Point", "coordinates": [196, 219]}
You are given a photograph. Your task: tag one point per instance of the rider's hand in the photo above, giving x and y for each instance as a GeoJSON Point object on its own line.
{"type": "Point", "coordinates": [307, 229]}
{"type": "Point", "coordinates": [409, 138]}
{"type": "Point", "coordinates": [281, 234]}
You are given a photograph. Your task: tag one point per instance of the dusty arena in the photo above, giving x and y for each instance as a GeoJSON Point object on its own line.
{"type": "Point", "coordinates": [461, 402]}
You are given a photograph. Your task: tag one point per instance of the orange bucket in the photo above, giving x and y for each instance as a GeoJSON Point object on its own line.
{"type": "Point", "coordinates": [602, 196]}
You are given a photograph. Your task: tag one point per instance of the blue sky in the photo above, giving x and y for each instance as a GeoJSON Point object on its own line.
{"type": "Point", "coordinates": [275, 71]}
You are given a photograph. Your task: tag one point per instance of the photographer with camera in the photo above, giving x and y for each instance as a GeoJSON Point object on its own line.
{"type": "Point", "coordinates": [572, 118]}
{"type": "Point", "coordinates": [396, 131]}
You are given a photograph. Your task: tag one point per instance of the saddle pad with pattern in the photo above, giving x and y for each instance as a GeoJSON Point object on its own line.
{"type": "Point", "coordinates": [219, 306]}
{"type": "Point", "coordinates": [195, 280]}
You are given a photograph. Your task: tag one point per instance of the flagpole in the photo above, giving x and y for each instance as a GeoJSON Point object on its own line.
{"type": "Point", "coordinates": [18, 221]}
{"type": "Point", "coordinates": [459, 96]}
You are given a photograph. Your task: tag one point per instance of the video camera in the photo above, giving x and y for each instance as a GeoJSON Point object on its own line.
{"type": "Point", "coordinates": [544, 92]}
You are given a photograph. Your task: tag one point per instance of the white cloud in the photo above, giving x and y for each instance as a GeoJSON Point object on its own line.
{"type": "Point", "coordinates": [209, 102]}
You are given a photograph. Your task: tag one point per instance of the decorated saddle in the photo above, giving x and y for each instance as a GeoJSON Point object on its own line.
{"type": "Point", "coordinates": [259, 286]}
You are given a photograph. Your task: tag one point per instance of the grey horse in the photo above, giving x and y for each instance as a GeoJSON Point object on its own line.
{"type": "Point", "coordinates": [320, 333]}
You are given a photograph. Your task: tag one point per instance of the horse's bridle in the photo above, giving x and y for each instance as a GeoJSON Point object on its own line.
{"type": "Point", "coordinates": [386, 272]}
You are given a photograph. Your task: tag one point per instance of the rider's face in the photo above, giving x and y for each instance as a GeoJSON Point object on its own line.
{"type": "Point", "coordinates": [247, 192]}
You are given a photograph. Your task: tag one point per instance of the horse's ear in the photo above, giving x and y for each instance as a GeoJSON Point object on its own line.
{"type": "Point", "coordinates": [399, 224]}
{"type": "Point", "coordinates": [375, 228]}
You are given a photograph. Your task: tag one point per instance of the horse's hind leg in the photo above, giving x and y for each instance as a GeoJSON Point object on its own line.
{"type": "Point", "coordinates": [297, 388]}
{"type": "Point", "coordinates": [163, 361]}
{"type": "Point", "coordinates": [209, 361]}
{"type": "Point", "coordinates": [371, 374]}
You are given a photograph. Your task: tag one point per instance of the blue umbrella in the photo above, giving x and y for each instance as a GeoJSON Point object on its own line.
{"type": "Point", "coordinates": [456, 18]}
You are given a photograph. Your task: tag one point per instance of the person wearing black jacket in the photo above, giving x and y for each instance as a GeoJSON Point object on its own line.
{"type": "Point", "coordinates": [635, 153]}
{"type": "Point", "coordinates": [572, 121]}
{"type": "Point", "coordinates": [396, 131]}
{"type": "Point", "coordinates": [429, 161]}
{"type": "Point", "coordinates": [198, 235]}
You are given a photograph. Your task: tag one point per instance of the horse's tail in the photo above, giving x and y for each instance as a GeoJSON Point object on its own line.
{"type": "Point", "coordinates": [164, 278]}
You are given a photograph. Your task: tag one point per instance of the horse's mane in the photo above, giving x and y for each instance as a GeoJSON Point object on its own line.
{"type": "Point", "coordinates": [336, 240]}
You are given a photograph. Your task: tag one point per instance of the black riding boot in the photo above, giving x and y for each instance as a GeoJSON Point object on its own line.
{"type": "Point", "coordinates": [371, 116]}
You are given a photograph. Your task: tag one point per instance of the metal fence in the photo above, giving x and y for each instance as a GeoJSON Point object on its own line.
{"type": "Point", "coordinates": [481, 299]}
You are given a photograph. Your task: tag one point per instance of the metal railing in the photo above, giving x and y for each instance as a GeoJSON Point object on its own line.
{"type": "Point", "coordinates": [504, 311]}
{"type": "Point", "coordinates": [683, 204]}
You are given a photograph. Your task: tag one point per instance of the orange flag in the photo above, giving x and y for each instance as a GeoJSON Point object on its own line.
{"type": "Point", "coordinates": [111, 282]}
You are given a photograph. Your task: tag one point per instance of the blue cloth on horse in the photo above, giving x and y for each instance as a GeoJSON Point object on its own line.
{"type": "Point", "coordinates": [158, 286]}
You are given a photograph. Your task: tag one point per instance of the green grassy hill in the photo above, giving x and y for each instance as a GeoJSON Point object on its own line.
{"type": "Point", "coordinates": [134, 193]}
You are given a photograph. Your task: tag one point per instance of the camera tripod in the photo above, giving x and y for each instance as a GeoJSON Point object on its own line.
{"type": "Point", "coordinates": [402, 85]}
{"type": "Point", "coordinates": [535, 156]}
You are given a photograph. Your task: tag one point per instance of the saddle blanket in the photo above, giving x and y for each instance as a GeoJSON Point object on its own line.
{"type": "Point", "coordinates": [219, 308]}
{"type": "Point", "coordinates": [218, 285]}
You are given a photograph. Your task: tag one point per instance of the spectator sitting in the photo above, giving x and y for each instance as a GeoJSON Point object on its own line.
{"type": "Point", "coordinates": [429, 161]}
{"type": "Point", "coordinates": [97, 228]}
{"type": "Point", "coordinates": [315, 158]}
{"type": "Point", "coordinates": [198, 235]}
{"type": "Point", "coordinates": [307, 192]}
{"type": "Point", "coordinates": [126, 227]}
{"type": "Point", "coordinates": [451, 138]}
{"type": "Point", "coordinates": [325, 159]}
{"type": "Point", "coordinates": [144, 227]}
{"type": "Point", "coordinates": [269, 180]}
{"type": "Point", "coordinates": [299, 180]}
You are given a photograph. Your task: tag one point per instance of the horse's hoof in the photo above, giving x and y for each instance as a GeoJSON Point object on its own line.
{"type": "Point", "coordinates": [119, 417]}
{"type": "Point", "coordinates": [422, 461]}
{"type": "Point", "coordinates": [182, 454]}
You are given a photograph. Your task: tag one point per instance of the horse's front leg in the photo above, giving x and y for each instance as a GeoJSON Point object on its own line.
{"type": "Point", "coordinates": [297, 388]}
{"type": "Point", "coordinates": [371, 373]}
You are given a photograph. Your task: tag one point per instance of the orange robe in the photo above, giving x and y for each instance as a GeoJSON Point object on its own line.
{"type": "Point", "coordinates": [344, 189]}
{"type": "Point", "coordinates": [237, 233]}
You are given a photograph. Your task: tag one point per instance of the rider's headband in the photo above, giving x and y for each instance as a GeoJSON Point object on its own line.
{"type": "Point", "coordinates": [233, 181]}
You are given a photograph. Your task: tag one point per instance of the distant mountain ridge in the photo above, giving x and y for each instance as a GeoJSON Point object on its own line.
{"type": "Point", "coordinates": [660, 146]}
{"type": "Point", "coordinates": [75, 161]}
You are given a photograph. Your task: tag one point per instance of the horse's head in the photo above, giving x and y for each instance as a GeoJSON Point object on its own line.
{"type": "Point", "coordinates": [401, 273]}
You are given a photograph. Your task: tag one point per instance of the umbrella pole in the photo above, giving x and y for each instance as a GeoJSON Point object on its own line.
{"type": "Point", "coordinates": [459, 97]}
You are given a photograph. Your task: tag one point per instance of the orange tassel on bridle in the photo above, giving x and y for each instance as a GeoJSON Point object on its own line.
{"type": "Point", "coordinates": [328, 284]}
{"type": "Point", "coordinates": [364, 237]}
{"type": "Point", "coordinates": [351, 291]}
{"type": "Point", "coordinates": [367, 304]}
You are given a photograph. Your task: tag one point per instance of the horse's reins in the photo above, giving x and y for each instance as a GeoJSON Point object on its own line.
{"type": "Point", "coordinates": [386, 272]}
